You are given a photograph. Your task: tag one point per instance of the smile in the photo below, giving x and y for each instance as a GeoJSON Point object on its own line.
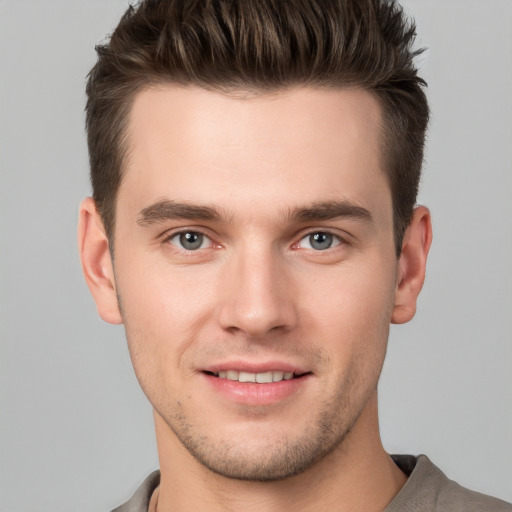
{"type": "Point", "coordinates": [260, 378]}
{"type": "Point", "coordinates": [257, 388]}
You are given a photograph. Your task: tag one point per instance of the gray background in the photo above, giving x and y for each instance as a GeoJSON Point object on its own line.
{"type": "Point", "coordinates": [75, 430]}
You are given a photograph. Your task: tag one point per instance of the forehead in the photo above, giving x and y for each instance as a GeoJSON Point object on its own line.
{"type": "Point", "coordinates": [290, 147]}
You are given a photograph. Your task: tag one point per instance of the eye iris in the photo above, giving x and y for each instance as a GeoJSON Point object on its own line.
{"type": "Point", "coordinates": [191, 240]}
{"type": "Point", "coordinates": [320, 241]}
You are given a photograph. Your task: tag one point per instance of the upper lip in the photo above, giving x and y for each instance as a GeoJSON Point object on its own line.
{"type": "Point", "coordinates": [253, 367]}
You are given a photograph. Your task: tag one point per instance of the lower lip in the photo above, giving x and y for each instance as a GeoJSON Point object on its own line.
{"type": "Point", "coordinates": [251, 393]}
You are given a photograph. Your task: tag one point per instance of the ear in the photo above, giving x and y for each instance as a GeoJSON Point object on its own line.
{"type": "Point", "coordinates": [97, 262]}
{"type": "Point", "coordinates": [411, 265]}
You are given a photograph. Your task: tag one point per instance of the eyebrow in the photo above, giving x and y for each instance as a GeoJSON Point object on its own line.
{"type": "Point", "coordinates": [169, 210]}
{"type": "Point", "coordinates": [164, 210]}
{"type": "Point", "coordinates": [330, 210]}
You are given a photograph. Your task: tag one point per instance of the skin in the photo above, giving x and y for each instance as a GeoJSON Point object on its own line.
{"type": "Point", "coordinates": [256, 176]}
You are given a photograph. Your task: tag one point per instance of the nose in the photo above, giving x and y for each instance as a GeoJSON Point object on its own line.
{"type": "Point", "coordinates": [257, 295]}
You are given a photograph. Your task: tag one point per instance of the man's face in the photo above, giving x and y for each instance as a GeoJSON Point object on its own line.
{"type": "Point", "coordinates": [254, 241]}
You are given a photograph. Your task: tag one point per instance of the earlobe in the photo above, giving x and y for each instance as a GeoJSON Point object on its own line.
{"type": "Point", "coordinates": [411, 265]}
{"type": "Point", "coordinates": [96, 262]}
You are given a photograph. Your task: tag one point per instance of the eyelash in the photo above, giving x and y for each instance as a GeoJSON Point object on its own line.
{"type": "Point", "coordinates": [336, 239]}
{"type": "Point", "coordinates": [168, 240]}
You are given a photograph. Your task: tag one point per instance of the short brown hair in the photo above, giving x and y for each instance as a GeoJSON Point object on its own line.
{"type": "Point", "coordinates": [262, 45]}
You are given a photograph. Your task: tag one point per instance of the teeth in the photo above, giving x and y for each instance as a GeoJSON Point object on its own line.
{"type": "Point", "coordinates": [247, 377]}
{"type": "Point", "coordinates": [262, 378]}
{"type": "Point", "coordinates": [277, 376]}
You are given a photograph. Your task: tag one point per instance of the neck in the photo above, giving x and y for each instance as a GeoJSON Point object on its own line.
{"type": "Point", "coordinates": [357, 476]}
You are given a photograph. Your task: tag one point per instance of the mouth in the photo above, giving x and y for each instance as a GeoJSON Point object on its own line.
{"type": "Point", "coordinates": [257, 378]}
{"type": "Point", "coordinates": [256, 384]}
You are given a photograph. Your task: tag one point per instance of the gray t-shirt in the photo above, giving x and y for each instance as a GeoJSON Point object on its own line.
{"type": "Point", "coordinates": [426, 490]}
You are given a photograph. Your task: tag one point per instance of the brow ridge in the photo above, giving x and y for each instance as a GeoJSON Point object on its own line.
{"type": "Point", "coordinates": [168, 210]}
{"type": "Point", "coordinates": [330, 210]}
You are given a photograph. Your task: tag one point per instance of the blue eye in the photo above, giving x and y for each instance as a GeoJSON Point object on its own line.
{"type": "Point", "coordinates": [190, 240]}
{"type": "Point", "coordinates": [319, 241]}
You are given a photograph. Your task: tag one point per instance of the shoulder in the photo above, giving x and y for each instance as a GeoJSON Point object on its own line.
{"type": "Point", "coordinates": [139, 502]}
{"type": "Point", "coordinates": [429, 489]}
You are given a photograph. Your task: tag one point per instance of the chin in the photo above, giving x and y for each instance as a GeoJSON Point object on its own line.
{"type": "Point", "coordinates": [261, 455]}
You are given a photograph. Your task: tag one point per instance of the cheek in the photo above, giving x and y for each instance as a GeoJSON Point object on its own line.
{"type": "Point", "coordinates": [353, 316]}
{"type": "Point", "coordinates": [355, 298]}
{"type": "Point", "coordinates": [158, 298]}
{"type": "Point", "coordinates": [162, 314]}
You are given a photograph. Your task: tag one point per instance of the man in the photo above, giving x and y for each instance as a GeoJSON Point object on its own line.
{"type": "Point", "coordinates": [253, 225]}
